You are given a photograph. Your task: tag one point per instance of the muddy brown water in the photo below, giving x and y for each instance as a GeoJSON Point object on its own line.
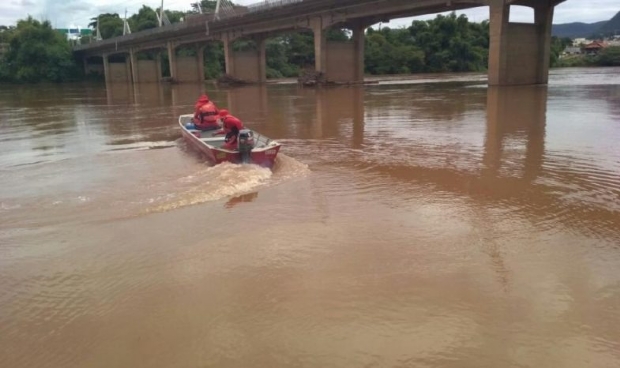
{"type": "Point", "coordinates": [425, 223]}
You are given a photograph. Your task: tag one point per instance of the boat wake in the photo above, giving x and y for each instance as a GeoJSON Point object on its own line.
{"type": "Point", "coordinates": [225, 180]}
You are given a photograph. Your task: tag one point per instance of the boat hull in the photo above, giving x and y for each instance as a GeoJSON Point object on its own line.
{"type": "Point", "coordinates": [202, 141]}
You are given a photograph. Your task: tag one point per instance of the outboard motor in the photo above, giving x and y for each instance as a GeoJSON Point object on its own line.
{"type": "Point", "coordinates": [245, 144]}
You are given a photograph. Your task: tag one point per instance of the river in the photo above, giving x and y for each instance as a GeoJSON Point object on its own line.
{"type": "Point", "coordinates": [431, 222]}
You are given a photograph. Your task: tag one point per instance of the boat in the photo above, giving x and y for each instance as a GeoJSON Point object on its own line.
{"type": "Point", "coordinates": [253, 148]}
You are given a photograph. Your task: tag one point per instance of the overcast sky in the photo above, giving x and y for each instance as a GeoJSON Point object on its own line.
{"type": "Point", "coordinates": [63, 13]}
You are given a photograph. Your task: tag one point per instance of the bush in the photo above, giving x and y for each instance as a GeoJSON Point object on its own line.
{"type": "Point", "coordinates": [609, 57]}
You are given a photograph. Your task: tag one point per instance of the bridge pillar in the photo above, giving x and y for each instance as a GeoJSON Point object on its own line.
{"type": "Point", "coordinates": [519, 53]}
{"type": "Point", "coordinates": [228, 55]}
{"type": "Point", "coordinates": [339, 61]}
{"type": "Point", "coordinates": [359, 41]}
{"type": "Point", "coordinates": [191, 68]}
{"type": "Point", "coordinates": [116, 71]}
{"type": "Point", "coordinates": [200, 53]}
{"type": "Point", "coordinates": [135, 76]}
{"type": "Point", "coordinates": [320, 45]}
{"type": "Point", "coordinates": [127, 69]}
{"type": "Point", "coordinates": [172, 60]}
{"type": "Point", "coordinates": [158, 71]}
{"type": "Point", "coordinates": [249, 66]}
{"type": "Point", "coordinates": [144, 71]}
{"type": "Point", "coordinates": [106, 68]}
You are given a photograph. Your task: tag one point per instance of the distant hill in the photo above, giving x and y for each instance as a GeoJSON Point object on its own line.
{"type": "Point", "coordinates": [586, 30]}
{"type": "Point", "coordinates": [577, 30]}
{"type": "Point", "coordinates": [611, 27]}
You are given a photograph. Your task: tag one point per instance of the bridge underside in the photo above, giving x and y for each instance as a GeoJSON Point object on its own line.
{"type": "Point", "coordinates": [518, 54]}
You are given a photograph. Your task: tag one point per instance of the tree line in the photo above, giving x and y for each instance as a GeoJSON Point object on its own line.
{"type": "Point", "coordinates": [36, 53]}
{"type": "Point", "coordinates": [447, 43]}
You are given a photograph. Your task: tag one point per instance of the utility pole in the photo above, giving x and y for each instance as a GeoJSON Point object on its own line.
{"type": "Point", "coordinates": [98, 36]}
{"type": "Point", "coordinates": [161, 14]}
{"type": "Point", "coordinates": [126, 29]}
{"type": "Point", "coordinates": [217, 9]}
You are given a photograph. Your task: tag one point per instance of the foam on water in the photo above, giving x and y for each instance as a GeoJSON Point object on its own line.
{"type": "Point", "coordinates": [225, 180]}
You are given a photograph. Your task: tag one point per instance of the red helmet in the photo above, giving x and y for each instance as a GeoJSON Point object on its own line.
{"type": "Point", "coordinates": [223, 112]}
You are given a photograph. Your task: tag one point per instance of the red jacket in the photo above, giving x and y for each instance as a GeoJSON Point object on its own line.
{"type": "Point", "coordinates": [207, 116]}
{"type": "Point", "coordinates": [230, 122]}
{"type": "Point", "coordinates": [201, 101]}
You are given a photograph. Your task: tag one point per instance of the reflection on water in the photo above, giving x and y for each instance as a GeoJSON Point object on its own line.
{"type": "Point", "coordinates": [440, 224]}
{"type": "Point", "coordinates": [516, 115]}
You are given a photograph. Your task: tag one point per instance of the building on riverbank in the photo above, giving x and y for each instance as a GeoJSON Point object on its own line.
{"type": "Point", "coordinates": [572, 50]}
{"type": "Point", "coordinates": [75, 33]}
{"type": "Point", "coordinates": [594, 48]}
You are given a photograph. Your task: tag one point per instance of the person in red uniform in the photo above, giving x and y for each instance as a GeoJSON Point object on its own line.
{"type": "Point", "coordinates": [205, 114]}
{"type": "Point", "coordinates": [231, 127]}
{"type": "Point", "coordinates": [203, 99]}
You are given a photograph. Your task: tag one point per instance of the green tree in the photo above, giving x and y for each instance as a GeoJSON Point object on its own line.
{"type": "Point", "coordinates": [339, 35]}
{"type": "Point", "coordinates": [38, 53]}
{"type": "Point", "coordinates": [5, 33]}
{"type": "Point", "coordinates": [206, 5]}
{"type": "Point", "coordinates": [145, 18]}
{"type": "Point", "coordinates": [558, 45]}
{"type": "Point", "coordinates": [278, 64]}
{"type": "Point", "coordinates": [215, 65]}
{"type": "Point", "coordinates": [175, 16]}
{"type": "Point", "coordinates": [609, 57]}
{"type": "Point", "coordinates": [110, 25]}
{"type": "Point", "coordinates": [385, 57]}
{"type": "Point", "coordinates": [209, 6]}
{"type": "Point", "coordinates": [300, 48]}
{"type": "Point", "coordinates": [451, 43]}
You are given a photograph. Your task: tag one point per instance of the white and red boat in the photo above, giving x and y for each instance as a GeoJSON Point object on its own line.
{"type": "Point", "coordinates": [252, 148]}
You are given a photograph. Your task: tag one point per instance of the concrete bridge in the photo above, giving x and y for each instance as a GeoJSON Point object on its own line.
{"type": "Point", "coordinates": [519, 53]}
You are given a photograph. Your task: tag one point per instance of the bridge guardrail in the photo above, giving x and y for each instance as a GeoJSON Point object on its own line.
{"type": "Point", "coordinates": [270, 4]}
{"type": "Point", "coordinates": [195, 23]}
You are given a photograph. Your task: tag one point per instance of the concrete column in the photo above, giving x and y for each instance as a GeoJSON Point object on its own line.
{"type": "Point", "coordinates": [519, 53]}
{"type": "Point", "coordinates": [320, 45]}
{"type": "Point", "coordinates": [228, 55]}
{"type": "Point", "coordinates": [261, 50]}
{"type": "Point", "coordinates": [543, 17]}
{"type": "Point", "coordinates": [200, 54]}
{"type": "Point", "coordinates": [172, 59]}
{"type": "Point", "coordinates": [135, 76]}
{"type": "Point", "coordinates": [249, 66]}
{"type": "Point", "coordinates": [85, 61]}
{"type": "Point", "coordinates": [499, 15]}
{"type": "Point", "coordinates": [128, 67]}
{"type": "Point", "coordinates": [106, 68]}
{"type": "Point", "coordinates": [158, 66]}
{"type": "Point", "coordinates": [358, 47]}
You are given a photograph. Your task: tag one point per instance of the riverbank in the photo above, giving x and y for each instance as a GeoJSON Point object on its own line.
{"type": "Point", "coordinates": [470, 77]}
